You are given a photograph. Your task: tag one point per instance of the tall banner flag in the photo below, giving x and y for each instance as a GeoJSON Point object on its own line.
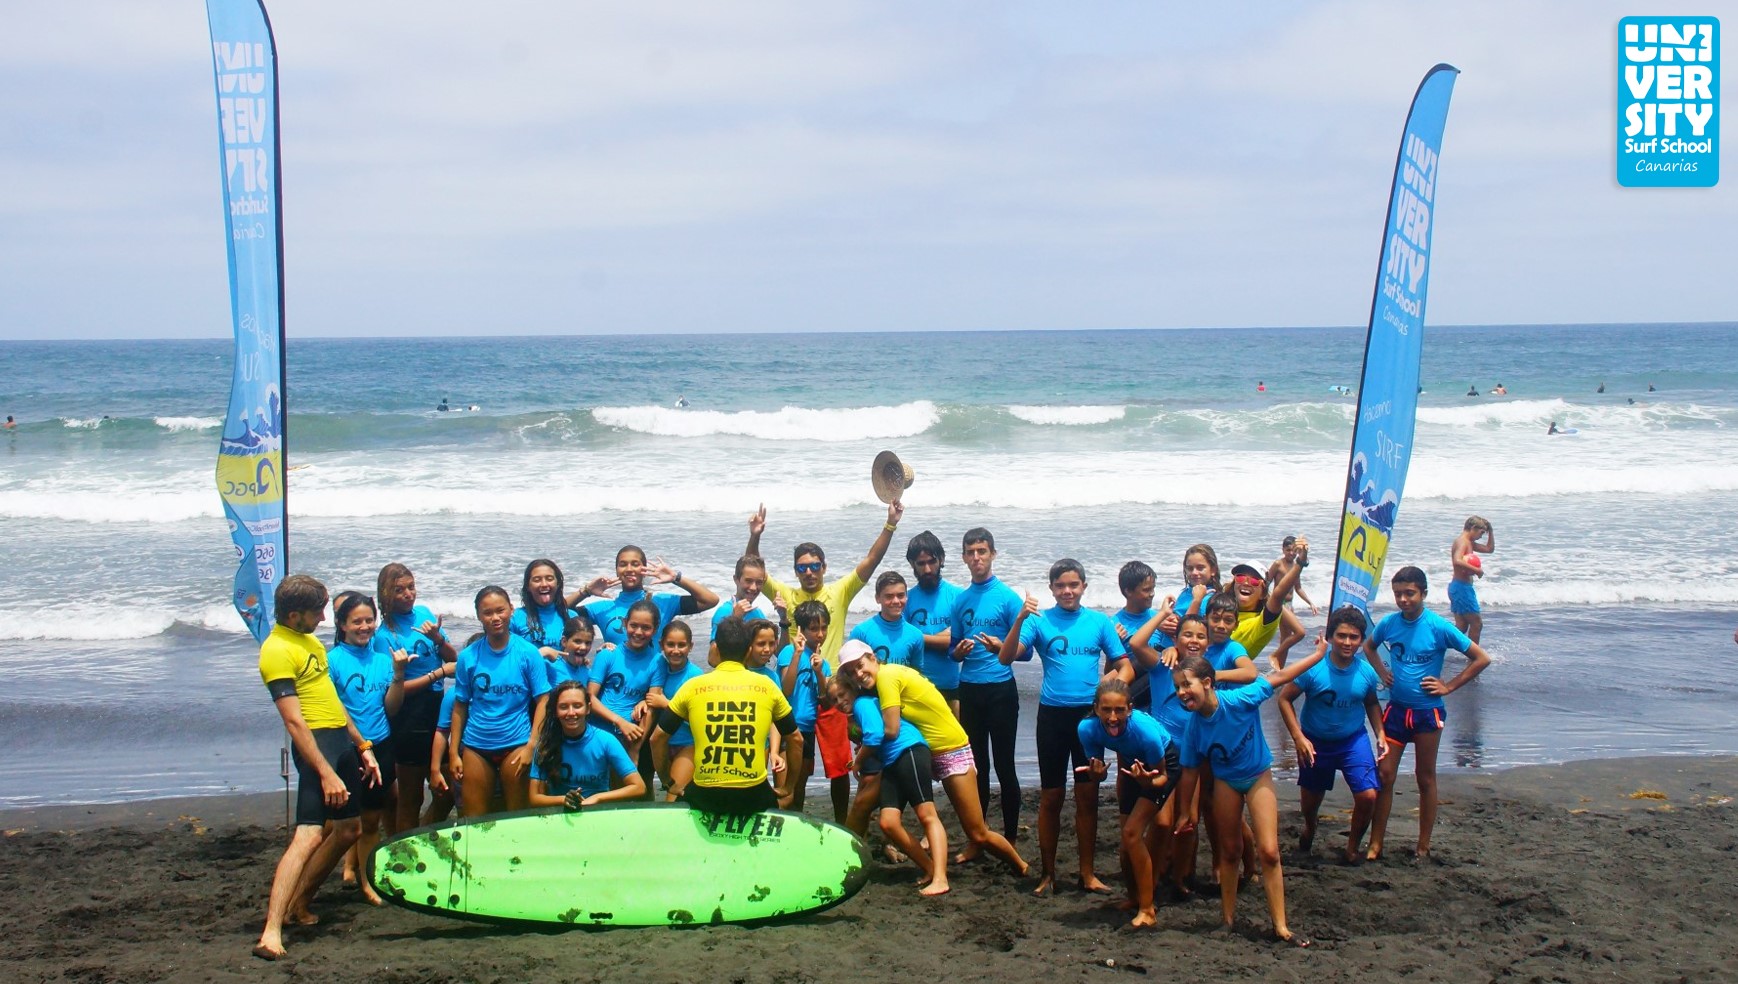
{"type": "Point", "coordinates": [1388, 392]}
{"type": "Point", "coordinates": [250, 459]}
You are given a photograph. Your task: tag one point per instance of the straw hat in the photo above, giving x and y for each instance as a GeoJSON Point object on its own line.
{"type": "Point", "coordinates": [890, 476]}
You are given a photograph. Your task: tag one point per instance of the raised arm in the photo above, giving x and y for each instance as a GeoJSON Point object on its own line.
{"type": "Point", "coordinates": [756, 526]}
{"type": "Point", "coordinates": [1277, 679]}
{"type": "Point", "coordinates": [1141, 643]}
{"type": "Point", "coordinates": [1287, 582]}
{"type": "Point", "coordinates": [1010, 650]}
{"type": "Point", "coordinates": [878, 549]}
{"type": "Point", "coordinates": [699, 597]}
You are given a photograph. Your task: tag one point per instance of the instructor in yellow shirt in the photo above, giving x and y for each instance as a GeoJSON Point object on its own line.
{"type": "Point", "coordinates": [810, 562]}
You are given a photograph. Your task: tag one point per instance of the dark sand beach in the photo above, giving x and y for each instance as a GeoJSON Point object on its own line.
{"type": "Point", "coordinates": [1551, 873]}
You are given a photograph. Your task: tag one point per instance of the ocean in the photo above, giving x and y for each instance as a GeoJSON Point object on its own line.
{"type": "Point", "coordinates": [1610, 600]}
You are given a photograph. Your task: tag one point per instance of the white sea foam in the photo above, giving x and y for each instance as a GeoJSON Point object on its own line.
{"type": "Point", "coordinates": [787, 424]}
{"type": "Point", "coordinates": [187, 423]}
{"type": "Point", "coordinates": [82, 423]}
{"type": "Point", "coordinates": [1069, 416]}
{"type": "Point", "coordinates": [85, 624]}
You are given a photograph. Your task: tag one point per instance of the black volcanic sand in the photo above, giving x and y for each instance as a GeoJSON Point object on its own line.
{"type": "Point", "coordinates": [1540, 874]}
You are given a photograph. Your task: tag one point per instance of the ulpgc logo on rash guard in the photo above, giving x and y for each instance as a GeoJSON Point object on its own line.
{"type": "Point", "coordinates": [1668, 102]}
{"type": "Point", "coordinates": [485, 684]}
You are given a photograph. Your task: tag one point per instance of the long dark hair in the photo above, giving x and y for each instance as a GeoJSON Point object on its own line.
{"type": "Point", "coordinates": [533, 621]}
{"type": "Point", "coordinates": [348, 602]}
{"type": "Point", "coordinates": [547, 752]}
{"type": "Point", "coordinates": [383, 589]}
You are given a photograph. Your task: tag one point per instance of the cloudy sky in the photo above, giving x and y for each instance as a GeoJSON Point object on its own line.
{"type": "Point", "coordinates": [453, 168]}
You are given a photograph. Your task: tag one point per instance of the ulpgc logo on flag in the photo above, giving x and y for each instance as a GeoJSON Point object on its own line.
{"type": "Point", "coordinates": [1668, 102]}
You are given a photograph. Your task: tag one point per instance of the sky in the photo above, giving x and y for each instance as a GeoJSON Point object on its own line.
{"type": "Point", "coordinates": [582, 168]}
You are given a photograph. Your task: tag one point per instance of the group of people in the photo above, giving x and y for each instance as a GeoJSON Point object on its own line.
{"type": "Point", "coordinates": [571, 698]}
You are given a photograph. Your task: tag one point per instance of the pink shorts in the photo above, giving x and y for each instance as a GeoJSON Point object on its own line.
{"type": "Point", "coordinates": [955, 763]}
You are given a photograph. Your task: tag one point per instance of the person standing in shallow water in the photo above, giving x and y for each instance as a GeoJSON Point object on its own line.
{"type": "Point", "coordinates": [333, 760]}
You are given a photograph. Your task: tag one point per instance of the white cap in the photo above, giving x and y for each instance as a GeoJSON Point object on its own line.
{"type": "Point", "coordinates": [852, 651]}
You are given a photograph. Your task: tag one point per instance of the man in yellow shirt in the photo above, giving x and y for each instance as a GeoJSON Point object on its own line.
{"type": "Point", "coordinates": [731, 712]}
{"type": "Point", "coordinates": [904, 693]}
{"type": "Point", "coordinates": [332, 759]}
{"type": "Point", "coordinates": [810, 562]}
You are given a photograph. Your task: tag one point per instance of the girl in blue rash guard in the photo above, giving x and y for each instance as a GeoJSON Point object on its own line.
{"type": "Point", "coordinates": [575, 765]}
{"type": "Point", "coordinates": [1169, 711]}
{"type": "Point", "coordinates": [1200, 583]}
{"type": "Point", "coordinates": [903, 763]}
{"type": "Point", "coordinates": [799, 662]}
{"type": "Point", "coordinates": [887, 633]}
{"type": "Point", "coordinates": [409, 626]}
{"type": "Point", "coordinates": [370, 685]}
{"type": "Point", "coordinates": [1070, 641]}
{"type": "Point", "coordinates": [673, 752]}
{"type": "Point", "coordinates": [575, 661]}
{"type": "Point", "coordinates": [635, 575]}
{"type": "Point", "coordinates": [1149, 762]}
{"type": "Point", "coordinates": [620, 678]}
{"type": "Point", "coordinates": [543, 609]}
{"type": "Point", "coordinates": [1225, 733]}
{"type": "Point", "coordinates": [496, 710]}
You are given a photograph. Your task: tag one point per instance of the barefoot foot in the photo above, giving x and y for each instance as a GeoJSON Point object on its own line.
{"type": "Point", "coordinates": [1091, 883]}
{"type": "Point", "coordinates": [1046, 885]}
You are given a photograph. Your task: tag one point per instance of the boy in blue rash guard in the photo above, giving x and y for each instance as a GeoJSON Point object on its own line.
{"type": "Point", "coordinates": [416, 630]}
{"type": "Point", "coordinates": [1416, 641]}
{"type": "Point", "coordinates": [1070, 641]}
{"type": "Point", "coordinates": [890, 637]}
{"type": "Point", "coordinates": [1148, 762]}
{"type": "Point", "coordinates": [575, 662]}
{"type": "Point", "coordinates": [542, 611]}
{"type": "Point", "coordinates": [621, 677]}
{"type": "Point", "coordinates": [747, 603]}
{"type": "Point", "coordinates": [498, 680]}
{"type": "Point", "coordinates": [1225, 734]}
{"type": "Point", "coordinates": [801, 674]}
{"type": "Point", "coordinates": [1230, 660]}
{"type": "Point", "coordinates": [929, 607]}
{"type": "Point", "coordinates": [672, 752]}
{"type": "Point", "coordinates": [1138, 585]}
{"type": "Point", "coordinates": [1339, 697]}
{"type": "Point", "coordinates": [574, 765]}
{"type": "Point", "coordinates": [370, 685]}
{"type": "Point", "coordinates": [635, 575]}
{"type": "Point", "coordinates": [989, 700]}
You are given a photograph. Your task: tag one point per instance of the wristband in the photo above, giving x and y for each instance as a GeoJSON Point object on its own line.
{"type": "Point", "coordinates": [677, 578]}
{"type": "Point", "coordinates": [890, 527]}
{"type": "Point", "coordinates": [365, 746]}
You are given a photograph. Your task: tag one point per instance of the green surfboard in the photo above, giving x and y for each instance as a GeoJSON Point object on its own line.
{"type": "Point", "coordinates": [631, 865]}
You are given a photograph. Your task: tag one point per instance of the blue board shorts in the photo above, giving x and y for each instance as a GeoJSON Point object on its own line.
{"type": "Point", "coordinates": [1463, 598]}
{"type": "Point", "coordinates": [1351, 755]}
{"type": "Point", "coordinates": [1403, 725]}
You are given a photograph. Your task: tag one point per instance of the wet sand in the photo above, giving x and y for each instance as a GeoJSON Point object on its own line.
{"type": "Point", "coordinates": [1549, 873]}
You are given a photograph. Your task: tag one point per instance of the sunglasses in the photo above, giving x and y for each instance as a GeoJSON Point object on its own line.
{"type": "Point", "coordinates": [1246, 579]}
{"type": "Point", "coordinates": [809, 568]}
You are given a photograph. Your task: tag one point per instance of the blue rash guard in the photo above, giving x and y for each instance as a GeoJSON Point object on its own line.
{"type": "Point", "coordinates": [1334, 698]}
{"type": "Point", "coordinates": [587, 764]}
{"type": "Point", "coordinates": [989, 606]}
{"type": "Point", "coordinates": [872, 728]}
{"type": "Point", "coordinates": [499, 689]}
{"type": "Point", "coordinates": [1132, 623]}
{"type": "Point", "coordinates": [1181, 607]}
{"type": "Point", "coordinates": [1144, 740]}
{"type": "Point", "coordinates": [610, 613]}
{"type": "Point", "coordinates": [898, 642]}
{"type": "Point", "coordinates": [547, 630]}
{"type": "Point", "coordinates": [1415, 650]}
{"type": "Point", "coordinates": [401, 633]}
{"type": "Point", "coordinates": [1224, 656]}
{"type": "Point", "coordinates": [561, 671]}
{"type": "Point", "coordinates": [1230, 740]}
{"type": "Point", "coordinates": [1070, 644]}
{"type": "Point", "coordinates": [803, 694]}
{"type": "Point", "coordinates": [669, 681]}
{"type": "Point", "coordinates": [727, 608]}
{"type": "Point", "coordinates": [362, 676]}
{"type": "Point", "coordinates": [623, 676]}
{"type": "Point", "coordinates": [931, 612]}
{"type": "Point", "coordinates": [445, 721]}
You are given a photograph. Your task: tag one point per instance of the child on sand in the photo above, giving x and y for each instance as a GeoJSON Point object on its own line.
{"type": "Point", "coordinates": [574, 765]}
{"type": "Point", "coordinates": [1147, 760]}
{"type": "Point", "coordinates": [672, 754]}
{"type": "Point", "coordinates": [1416, 641]}
{"type": "Point", "coordinates": [1225, 734]}
{"type": "Point", "coordinates": [801, 671]}
{"type": "Point", "coordinates": [1339, 697]}
{"type": "Point", "coordinates": [1476, 537]}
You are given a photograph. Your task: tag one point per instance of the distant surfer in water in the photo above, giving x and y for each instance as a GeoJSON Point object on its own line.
{"type": "Point", "coordinates": [1261, 386]}
{"type": "Point", "coordinates": [1475, 538]}
{"type": "Point", "coordinates": [681, 402]}
{"type": "Point", "coordinates": [1472, 391]}
{"type": "Point", "coordinates": [1553, 431]}
{"type": "Point", "coordinates": [11, 424]}
{"type": "Point", "coordinates": [333, 760]}
{"type": "Point", "coordinates": [1500, 390]}
{"type": "Point", "coordinates": [1601, 388]}
{"type": "Point", "coordinates": [443, 408]}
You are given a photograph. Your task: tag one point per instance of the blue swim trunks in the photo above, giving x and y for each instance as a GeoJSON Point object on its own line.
{"type": "Point", "coordinates": [1463, 599]}
{"type": "Point", "coordinates": [1351, 755]}
{"type": "Point", "coordinates": [1403, 725]}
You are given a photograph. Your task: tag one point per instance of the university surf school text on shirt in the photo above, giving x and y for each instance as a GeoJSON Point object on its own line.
{"type": "Point", "coordinates": [732, 710]}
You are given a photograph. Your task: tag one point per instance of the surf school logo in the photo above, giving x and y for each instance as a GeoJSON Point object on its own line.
{"type": "Point", "coordinates": [485, 684]}
{"type": "Point", "coordinates": [1668, 102]}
